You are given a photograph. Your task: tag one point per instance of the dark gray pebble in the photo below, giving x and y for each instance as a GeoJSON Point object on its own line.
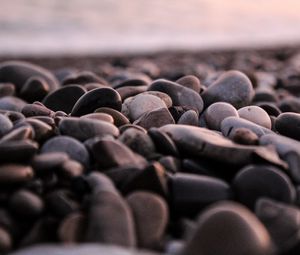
{"type": "Point", "coordinates": [96, 98]}
{"type": "Point", "coordinates": [256, 181]}
{"type": "Point", "coordinates": [68, 145]}
{"type": "Point", "coordinates": [18, 72]}
{"type": "Point", "coordinates": [288, 124]}
{"type": "Point", "coordinates": [84, 128]}
{"type": "Point", "coordinates": [35, 89]}
{"type": "Point", "coordinates": [64, 99]}
{"type": "Point", "coordinates": [191, 193]}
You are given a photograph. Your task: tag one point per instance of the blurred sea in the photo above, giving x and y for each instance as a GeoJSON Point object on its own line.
{"type": "Point", "coordinates": [62, 27]}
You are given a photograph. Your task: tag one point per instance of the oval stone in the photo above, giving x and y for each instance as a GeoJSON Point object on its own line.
{"type": "Point", "coordinates": [96, 98]}
{"type": "Point", "coordinates": [232, 87]}
{"type": "Point", "coordinates": [64, 99]}
{"type": "Point", "coordinates": [288, 124]}
{"type": "Point", "coordinates": [229, 228]}
{"type": "Point", "coordinates": [70, 146]}
{"type": "Point", "coordinates": [255, 114]}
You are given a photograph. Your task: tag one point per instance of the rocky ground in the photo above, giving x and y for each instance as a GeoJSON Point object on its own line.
{"type": "Point", "coordinates": [176, 153]}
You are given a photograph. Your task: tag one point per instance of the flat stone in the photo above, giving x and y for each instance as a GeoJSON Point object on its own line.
{"type": "Point", "coordinates": [64, 99]}
{"type": "Point", "coordinates": [163, 96]}
{"type": "Point", "coordinates": [180, 95]}
{"type": "Point", "coordinates": [227, 228]}
{"type": "Point", "coordinates": [18, 72]}
{"type": "Point", "coordinates": [150, 213]}
{"type": "Point", "coordinates": [217, 112]}
{"type": "Point", "coordinates": [99, 116]}
{"type": "Point", "coordinates": [191, 193]}
{"type": "Point", "coordinates": [84, 128]}
{"type": "Point", "coordinates": [156, 118]}
{"type": "Point", "coordinates": [230, 124]}
{"type": "Point", "coordinates": [96, 98]}
{"type": "Point", "coordinates": [31, 110]}
{"type": "Point", "coordinates": [21, 133]}
{"type": "Point", "coordinates": [201, 142]}
{"type": "Point", "coordinates": [68, 145]}
{"type": "Point", "coordinates": [288, 124]}
{"type": "Point", "coordinates": [255, 114]}
{"type": "Point", "coordinates": [256, 181]}
{"type": "Point", "coordinates": [232, 87]}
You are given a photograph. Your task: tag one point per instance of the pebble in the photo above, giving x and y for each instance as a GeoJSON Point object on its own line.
{"type": "Point", "coordinates": [226, 228]}
{"type": "Point", "coordinates": [180, 95]}
{"type": "Point", "coordinates": [290, 104]}
{"type": "Point", "coordinates": [99, 116]}
{"type": "Point", "coordinates": [244, 136]}
{"type": "Point", "coordinates": [155, 118]}
{"type": "Point", "coordinates": [130, 91]}
{"type": "Point", "coordinates": [83, 78]}
{"type": "Point", "coordinates": [191, 193]}
{"type": "Point", "coordinates": [217, 112]}
{"type": "Point", "coordinates": [5, 125]}
{"type": "Point", "coordinates": [64, 99]}
{"type": "Point", "coordinates": [230, 124]}
{"type": "Point", "coordinates": [232, 87]}
{"type": "Point", "coordinates": [72, 228]}
{"type": "Point", "coordinates": [31, 110]}
{"type": "Point", "coordinates": [110, 153]}
{"type": "Point", "coordinates": [270, 108]}
{"type": "Point", "coordinates": [84, 128]}
{"type": "Point", "coordinates": [282, 222]}
{"type": "Point", "coordinates": [34, 89]}
{"type": "Point", "coordinates": [190, 117]}
{"type": "Point", "coordinates": [288, 124]}
{"type": "Point", "coordinates": [15, 174]}
{"type": "Point", "coordinates": [68, 145]}
{"type": "Point", "coordinates": [26, 204]}
{"type": "Point", "coordinates": [138, 141]}
{"type": "Point", "coordinates": [18, 72]}
{"type": "Point", "coordinates": [150, 213]}
{"type": "Point", "coordinates": [142, 104]}
{"type": "Point", "coordinates": [11, 103]}
{"type": "Point", "coordinates": [5, 241]}
{"type": "Point", "coordinates": [7, 89]}
{"type": "Point", "coordinates": [191, 82]}
{"type": "Point", "coordinates": [96, 98]}
{"type": "Point", "coordinates": [256, 115]}
{"type": "Point", "coordinates": [110, 220]}
{"type": "Point", "coordinates": [21, 133]}
{"type": "Point", "coordinates": [255, 181]}
{"type": "Point", "coordinates": [118, 118]}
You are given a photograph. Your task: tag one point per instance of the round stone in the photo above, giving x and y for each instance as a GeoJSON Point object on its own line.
{"type": "Point", "coordinates": [191, 82]}
{"type": "Point", "coordinates": [190, 117]}
{"type": "Point", "coordinates": [217, 112]}
{"type": "Point", "coordinates": [255, 114]}
{"type": "Point", "coordinates": [232, 87]}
